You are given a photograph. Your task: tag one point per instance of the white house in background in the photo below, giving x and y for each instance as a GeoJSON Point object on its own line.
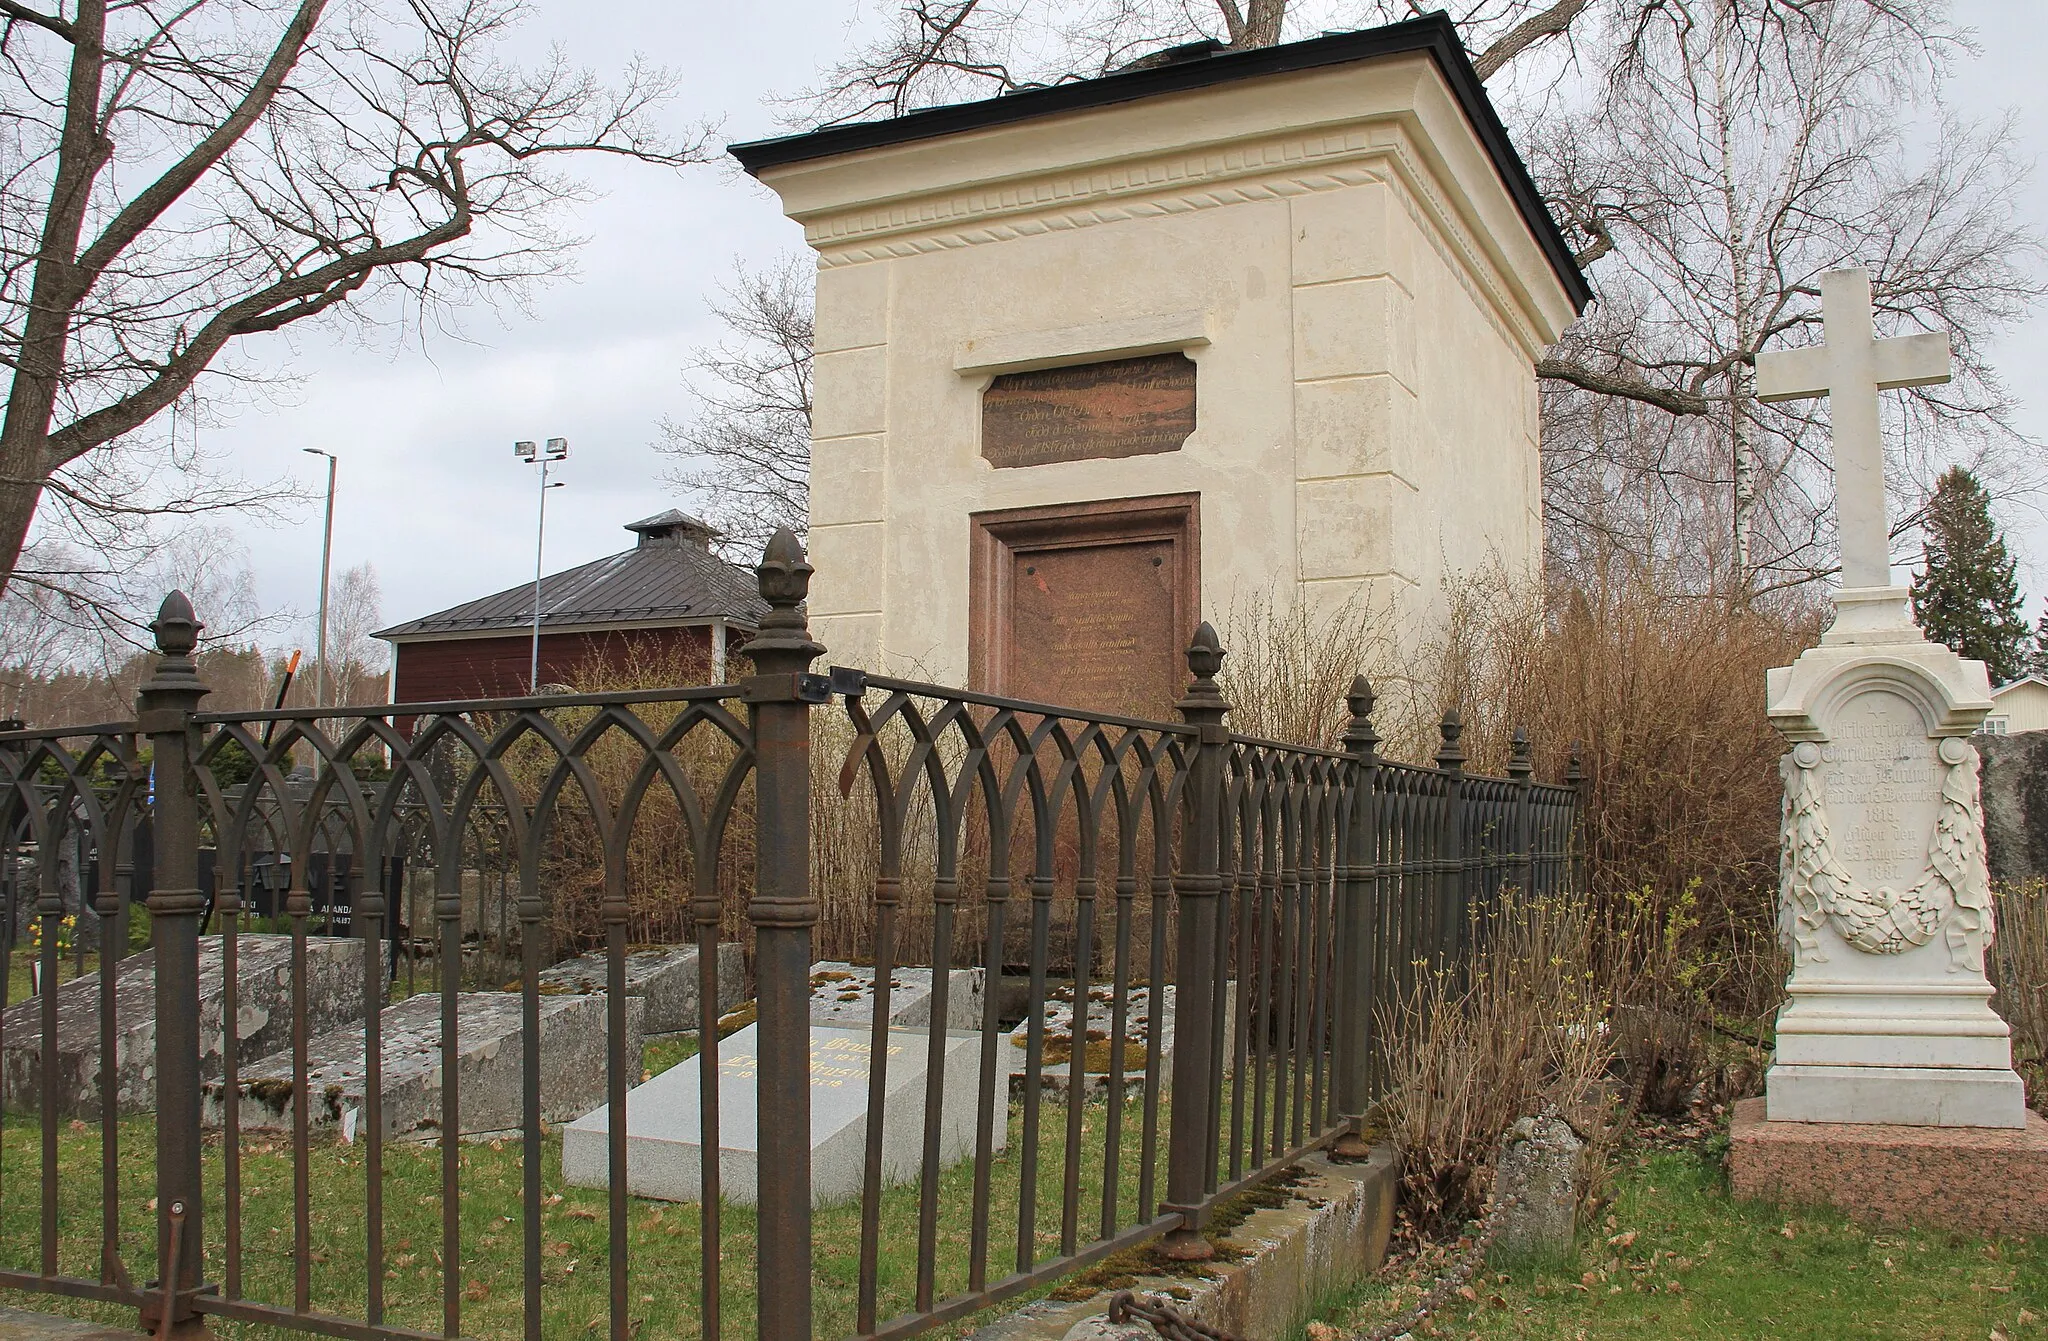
{"type": "Point", "coordinates": [2020, 706]}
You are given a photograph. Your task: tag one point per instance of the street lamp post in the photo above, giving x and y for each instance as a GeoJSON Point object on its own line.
{"type": "Point", "coordinates": [326, 567]}
{"type": "Point", "coordinates": [533, 453]}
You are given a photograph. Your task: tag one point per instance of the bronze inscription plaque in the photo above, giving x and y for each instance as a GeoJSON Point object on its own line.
{"type": "Point", "coordinates": [1095, 626]}
{"type": "Point", "coordinates": [1125, 407]}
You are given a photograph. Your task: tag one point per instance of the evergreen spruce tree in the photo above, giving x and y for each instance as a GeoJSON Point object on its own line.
{"type": "Point", "coordinates": [1967, 594]}
{"type": "Point", "coordinates": [2037, 655]}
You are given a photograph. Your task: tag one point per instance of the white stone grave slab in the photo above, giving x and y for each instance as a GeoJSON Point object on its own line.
{"type": "Point", "coordinates": [844, 995]}
{"type": "Point", "coordinates": [334, 996]}
{"type": "Point", "coordinates": [490, 1064]}
{"type": "Point", "coordinates": [664, 1119]}
{"type": "Point", "coordinates": [665, 977]}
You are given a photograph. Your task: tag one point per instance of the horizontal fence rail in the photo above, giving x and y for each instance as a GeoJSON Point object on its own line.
{"type": "Point", "coordinates": [333, 1020]}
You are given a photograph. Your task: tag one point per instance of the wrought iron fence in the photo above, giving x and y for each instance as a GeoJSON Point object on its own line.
{"type": "Point", "coordinates": [1178, 935]}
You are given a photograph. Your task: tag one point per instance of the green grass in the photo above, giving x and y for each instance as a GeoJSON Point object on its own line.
{"type": "Point", "coordinates": [664, 1250]}
{"type": "Point", "coordinates": [20, 976]}
{"type": "Point", "coordinates": [1675, 1257]}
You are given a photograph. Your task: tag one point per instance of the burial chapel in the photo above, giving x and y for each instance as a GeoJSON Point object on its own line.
{"type": "Point", "coordinates": [1098, 360]}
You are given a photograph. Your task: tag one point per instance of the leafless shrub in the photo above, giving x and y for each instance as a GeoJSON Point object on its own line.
{"type": "Point", "coordinates": [1674, 980]}
{"type": "Point", "coordinates": [659, 873]}
{"type": "Point", "coordinates": [1663, 692]}
{"type": "Point", "coordinates": [1289, 667]}
{"type": "Point", "coordinates": [847, 846]}
{"type": "Point", "coordinates": [1527, 1035]}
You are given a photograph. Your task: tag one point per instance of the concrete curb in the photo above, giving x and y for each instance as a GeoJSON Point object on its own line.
{"type": "Point", "coordinates": [1331, 1234]}
{"type": "Point", "coordinates": [20, 1324]}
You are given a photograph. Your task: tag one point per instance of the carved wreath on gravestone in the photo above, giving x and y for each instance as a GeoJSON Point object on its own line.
{"type": "Point", "coordinates": [1952, 897]}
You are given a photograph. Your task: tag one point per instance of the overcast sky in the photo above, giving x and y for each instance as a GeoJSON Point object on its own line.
{"type": "Point", "coordinates": [429, 489]}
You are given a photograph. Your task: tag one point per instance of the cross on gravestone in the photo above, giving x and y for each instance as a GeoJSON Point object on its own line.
{"type": "Point", "coordinates": [1850, 369]}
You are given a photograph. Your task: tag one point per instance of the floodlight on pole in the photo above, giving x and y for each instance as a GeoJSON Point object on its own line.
{"type": "Point", "coordinates": [326, 567]}
{"type": "Point", "coordinates": [533, 453]}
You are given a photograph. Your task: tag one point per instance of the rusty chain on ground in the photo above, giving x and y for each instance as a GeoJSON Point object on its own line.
{"type": "Point", "coordinates": [1161, 1317]}
{"type": "Point", "coordinates": [1172, 1325]}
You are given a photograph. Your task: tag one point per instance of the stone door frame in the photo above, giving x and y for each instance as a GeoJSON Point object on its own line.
{"type": "Point", "coordinates": [999, 536]}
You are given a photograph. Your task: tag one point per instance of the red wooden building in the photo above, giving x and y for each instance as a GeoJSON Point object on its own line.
{"type": "Point", "coordinates": [668, 600]}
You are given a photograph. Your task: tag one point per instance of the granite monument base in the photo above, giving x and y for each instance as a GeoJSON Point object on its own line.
{"type": "Point", "coordinates": [1976, 1180]}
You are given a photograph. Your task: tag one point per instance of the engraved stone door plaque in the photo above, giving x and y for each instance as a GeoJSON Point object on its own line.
{"type": "Point", "coordinates": [1117, 408]}
{"type": "Point", "coordinates": [1086, 605]}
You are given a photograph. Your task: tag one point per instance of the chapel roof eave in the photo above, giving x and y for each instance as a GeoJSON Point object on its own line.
{"type": "Point", "coordinates": [1433, 35]}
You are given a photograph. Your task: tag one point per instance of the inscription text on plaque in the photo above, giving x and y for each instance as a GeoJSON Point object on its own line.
{"type": "Point", "coordinates": [1094, 626]}
{"type": "Point", "coordinates": [1884, 786]}
{"type": "Point", "coordinates": [1123, 407]}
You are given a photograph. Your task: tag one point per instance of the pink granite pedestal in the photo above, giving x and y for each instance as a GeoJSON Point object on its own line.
{"type": "Point", "coordinates": [1987, 1181]}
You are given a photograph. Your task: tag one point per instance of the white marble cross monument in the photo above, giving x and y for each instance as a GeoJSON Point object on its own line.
{"type": "Point", "coordinates": [1884, 900]}
{"type": "Point", "coordinates": [1850, 369]}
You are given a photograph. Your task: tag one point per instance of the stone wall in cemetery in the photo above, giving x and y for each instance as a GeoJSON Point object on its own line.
{"type": "Point", "coordinates": [2015, 791]}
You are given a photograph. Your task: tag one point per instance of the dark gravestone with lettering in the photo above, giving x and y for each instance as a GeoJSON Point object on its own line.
{"type": "Point", "coordinates": [1087, 605]}
{"type": "Point", "coordinates": [1124, 407]}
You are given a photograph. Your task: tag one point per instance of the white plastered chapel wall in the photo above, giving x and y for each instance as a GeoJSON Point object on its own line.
{"type": "Point", "coordinates": [1334, 250]}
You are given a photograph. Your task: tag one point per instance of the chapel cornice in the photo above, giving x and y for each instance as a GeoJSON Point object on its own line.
{"type": "Point", "coordinates": [1153, 186]}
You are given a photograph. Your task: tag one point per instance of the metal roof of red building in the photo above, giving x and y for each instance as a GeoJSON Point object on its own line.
{"type": "Point", "coordinates": [670, 577]}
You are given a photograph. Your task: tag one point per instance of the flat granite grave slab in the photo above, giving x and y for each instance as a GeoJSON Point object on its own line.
{"type": "Point", "coordinates": [1142, 1035]}
{"type": "Point", "coordinates": [665, 977]}
{"type": "Point", "coordinates": [843, 995]}
{"type": "Point", "coordinates": [664, 1119]}
{"type": "Point", "coordinates": [334, 997]}
{"type": "Point", "coordinates": [489, 1074]}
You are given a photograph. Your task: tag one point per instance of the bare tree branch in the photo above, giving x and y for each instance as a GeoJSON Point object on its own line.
{"type": "Point", "coordinates": [1625, 384]}
{"type": "Point", "coordinates": [745, 454]}
{"type": "Point", "coordinates": [1548, 23]}
{"type": "Point", "coordinates": [12, 9]}
{"type": "Point", "coordinates": [245, 174]}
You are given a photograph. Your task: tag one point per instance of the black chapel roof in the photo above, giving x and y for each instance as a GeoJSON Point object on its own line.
{"type": "Point", "coordinates": [670, 577]}
{"type": "Point", "coordinates": [1200, 65]}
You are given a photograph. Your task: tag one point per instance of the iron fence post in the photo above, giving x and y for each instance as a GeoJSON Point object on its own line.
{"type": "Point", "coordinates": [1575, 839]}
{"type": "Point", "coordinates": [1521, 772]}
{"type": "Point", "coordinates": [1195, 887]}
{"type": "Point", "coordinates": [1355, 921]}
{"type": "Point", "coordinates": [1451, 911]}
{"type": "Point", "coordinates": [164, 708]}
{"type": "Point", "coordinates": [783, 912]}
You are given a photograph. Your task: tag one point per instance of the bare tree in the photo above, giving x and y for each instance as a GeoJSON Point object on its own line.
{"type": "Point", "coordinates": [184, 174]}
{"type": "Point", "coordinates": [943, 50]}
{"type": "Point", "coordinates": [1722, 179]}
{"type": "Point", "coordinates": [745, 453]}
{"type": "Point", "coordinates": [71, 658]}
{"type": "Point", "coordinates": [358, 660]}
